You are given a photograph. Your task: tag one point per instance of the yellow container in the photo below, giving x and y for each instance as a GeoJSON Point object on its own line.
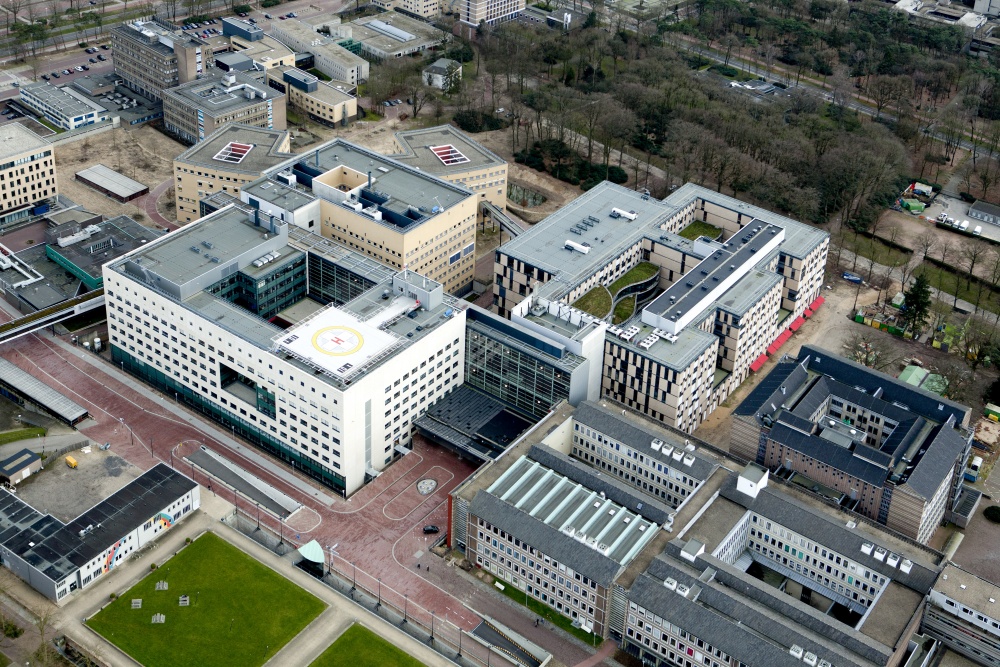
{"type": "Point", "coordinates": [71, 462]}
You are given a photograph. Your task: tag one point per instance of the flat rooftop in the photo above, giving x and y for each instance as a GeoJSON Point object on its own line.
{"type": "Point", "coordinates": [158, 35]}
{"type": "Point", "coordinates": [891, 613]}
{"type": "Point", "coordinates": [966, 588]}
{"type": "Point", "coordinates": [262, 51]}
{"type": "Point", "coordinates": [426, 150]}
{"type": "Point", "coordinates": [544, 244]}
{"type": "Point", "coordinates": [318, 43]}
{"type": "Point", "coordinates": [411, 195]}
{"type": "Point", "coordinates": [103, 242]}
{"type": "Point", "coordinates": [58, 549]}
{"type": "Point", "coordinates": [213, 96]}
{"type": "Point", "coordinates": [214, 150]}
{"type": "Point", "coordinates": [15, 139]}
{"type": "Point", "coordinates": [328, 92]}
{"type": "Point", "coordinates": [118, 184]}
{"type": "Point", "coordinates": [60, 99]}
{"type": "Point", "coordinates": [392, 32]}
{"type": "Point", "coordinates": [690, 343]}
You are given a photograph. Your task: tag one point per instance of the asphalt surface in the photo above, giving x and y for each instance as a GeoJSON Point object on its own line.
{"type": "Point", "coordinates": [227, 476]}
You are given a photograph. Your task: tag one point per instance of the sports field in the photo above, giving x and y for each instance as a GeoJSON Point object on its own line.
{"type": "Point", "coordinates": [240, 612]}
{"type": "Point", "coordinates": [360, 647]}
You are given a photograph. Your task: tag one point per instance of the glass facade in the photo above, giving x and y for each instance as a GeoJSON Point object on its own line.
{"type": "Point", "coordinates": [268, 294]}
{"type": "Point", "coordinates": [330, 283]}
{"type": "Point", "coordinates": [507, 373]}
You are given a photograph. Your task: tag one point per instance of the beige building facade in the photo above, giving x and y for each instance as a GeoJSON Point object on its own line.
{"type": "Point", "coordinates": [323, 102]}
{"type": "Point", "coordinates": [153, 56]}
{"type": "Point", "coordinates": [232, 156]}
{"type": "Point", "coordinates": [27, 173]}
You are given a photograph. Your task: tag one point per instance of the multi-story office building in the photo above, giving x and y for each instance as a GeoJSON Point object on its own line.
{"type": "Point", "coordinates": [389, 35]}
{"type": "Point", "coordinates": [228, 315]}
{"type": "Point", "coordinates": [760, 575]}
{"type": "Point", "coordinates": [380, 207]}
{"type": "Point", "coordinates": [195, 110]}
{"type": "Point", "coordinates": [63, 106]}
{"type": "Point", "coordinates": [153, 56]}
{"type": "Point", "coordinates": [726, 297]}
{"type": "Point", "coordinates": [890, 451]}
{"type": "Point", "coordinates": [233, 155]}
{"type": "Point", "coordinates": [325, 103]}
{"type": "Point", "coordinates": [27, 173]}
{"type": "Point", "coordinates": [425, 9]}
{"type": "Point", "coordinates": [570, 515]}
{"type": "Point", "coordinates": [449, 153]}
{"type": "Point", "coordinates": [962, 615]}
{"type": "Point", "coordinates": [250, 41]}
{"type": "Point", "coordinates": [329, 57]}
{"type": "Point", "coordinates": [489, 12]}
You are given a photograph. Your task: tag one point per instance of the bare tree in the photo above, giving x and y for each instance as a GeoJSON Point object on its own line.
{"type": "Point", "coordinates": [873, 348]}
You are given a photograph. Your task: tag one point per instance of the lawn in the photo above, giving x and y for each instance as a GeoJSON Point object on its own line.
{"type": "Point", "coordinates": [21, 434]}
{"type": "Point", "coordinates": [549, 614]}
{"type": "Point", "coordinates": [700, 228]}
{"type": "Point", "coordinates": [597, 302]}
{"type": "Point", "coordinates": [946, 282]}
{"type": "Point", "coordinates": [360, 647]}
{"type": "Point", "coordinates": [241, 612]}
{"type": "Point", "coordinates": [624, 310]}
{"type": "Point", "coordinates": [638, 273]}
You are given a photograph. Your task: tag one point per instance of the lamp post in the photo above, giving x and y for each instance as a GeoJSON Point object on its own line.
{"type": "Point", "coordinates": [406, 604]}
{"type": "Point", "coordinates": [333, 552]}
{"type": "Point", "coordinates": [281, 525]}
{"type": "Point", "coordinates": [354, 577]}
{"type": "Point", "coordinates": [258, 515]}
{"type": "Point", "coordinates": [378, 604]}
{"type": "Point", "coordinates": [432, 628]}
{"type": "Point", "coordinates": [459, 642]}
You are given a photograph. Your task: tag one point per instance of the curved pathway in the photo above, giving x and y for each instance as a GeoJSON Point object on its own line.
{"type": "Point", "coordinates": [149, 203]}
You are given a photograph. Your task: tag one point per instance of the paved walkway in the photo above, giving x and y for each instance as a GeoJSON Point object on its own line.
{"type": "Point", "coordinates": [149, 203]}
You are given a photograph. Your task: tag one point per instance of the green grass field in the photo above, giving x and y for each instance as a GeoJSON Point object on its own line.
{"type": "Point", "coordinates": [638, 273]}
{"type": "Point", "coordinates": [360, 647]}
{"type": "Point", "coordinates": [241, 612]}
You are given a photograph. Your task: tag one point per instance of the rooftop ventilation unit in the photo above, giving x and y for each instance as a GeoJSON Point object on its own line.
{"type": "Point", "coordinates": [907, 565]}
{"type": "Point", "coordinates": [880, 553]}
{"type": "Point", "coordinates": [670, 583]}
{"type": "Point", "coordinates": [683, 590]}
{"type": "Point", "coordinates": [196, 249]}
{"type": "Point", "coordinates": [892, 560]}
{"type": "Point", "coordinates": [796, 652]}
{"type": "Point", "coordinates": [579, 247]}
{"type": "Point", "coordinates": [622, 213]}
{"type": "Point", "coordinates": [810, 659]}
{"type": "Point", "coordinates": [866, 548]}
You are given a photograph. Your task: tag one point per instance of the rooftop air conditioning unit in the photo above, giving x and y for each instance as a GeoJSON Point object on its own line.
{"type": "Point", "coordinates": [866, 548]}
{"type": "Point", "coordinates": [683, 590]}
{"type": "Point", "coordinates": [670, 583]}
{"type": "Point", "coordinates": [810, 659]}
{"type": "Point", "coordinates": [796, 652]}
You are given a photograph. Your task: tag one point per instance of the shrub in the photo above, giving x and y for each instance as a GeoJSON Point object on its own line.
{"type": "Point", "coordinates": [242, 9]}
{"type": "Point", "coordinates": [617, 175]}
{"type": "Point", "coordinates": [967, 197]}
{"type": "Point", "coordinates": [726, 70]}
{"type": "Point", "coordinates": [477, 121]}
{"type": "Point", "coordinates": [12, 630]}
{"type": "Point", "coordinates": [992, 513]}
{"type": "Point", "coordinates": [270, 3]}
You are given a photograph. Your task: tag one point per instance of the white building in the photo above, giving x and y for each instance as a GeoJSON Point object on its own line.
{"type": "Point", "coordinates": [330, 58]}
{"type": "Point", "coordinates": [361, 350]}
{"type": "Point", "coordinates": [63, 106]}
{"type": "Point", "coordinates": [56, 558]}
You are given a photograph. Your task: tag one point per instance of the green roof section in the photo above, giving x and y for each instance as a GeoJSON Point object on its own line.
{"type": "Point", "coordinates": [913, 375]}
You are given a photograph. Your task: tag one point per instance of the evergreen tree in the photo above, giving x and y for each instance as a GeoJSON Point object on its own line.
{"type": "Point", "coordinates": [917, 303]}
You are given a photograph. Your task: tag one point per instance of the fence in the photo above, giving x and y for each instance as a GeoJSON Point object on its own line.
{"type": "Point", "coordinates": [368, 591]}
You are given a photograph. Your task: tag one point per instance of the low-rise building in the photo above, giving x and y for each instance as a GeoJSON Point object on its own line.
{"type": "Point", "coordinates": [390, 35]}
{"type": "Point", "coordinates": [985, 211]}
{"type": "Point", "coordinates": [889, 451]}
{"type": "Point", "coordinates": [383, 208]}
{"type": "Point", "coordinates": [65, 107]}
{"type": "Point", "coordinates": [325, 103]}
{"type": "Point", "coordinates": [448, 153]}
{"type": "Point", "coordinates": [195, 110]}
{"type": "Point", "coordinates": [443, 74]}
{"type": "Point", "coordinates": [329, 57]}
{"type": "Point", "coordinates": [27, 174]}
{"type": "Point", "coordinates": [315, 353]}
{"type": "Point", "coordinates": [227, 159]}
{"type": "Point", "coordinates": [153, 56]}
{"type": "Point", "coordinates": [57, 558]}
{"type": "Point", "coordinates": [250, 41]}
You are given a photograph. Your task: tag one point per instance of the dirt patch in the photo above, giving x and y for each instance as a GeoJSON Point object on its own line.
{"type": "Point", "coordinates": [142, 154]}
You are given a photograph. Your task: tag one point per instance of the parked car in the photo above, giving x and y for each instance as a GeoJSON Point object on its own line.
{"type": "Point", "coordinates": [105, 46]}
{"type": "Point", "coordinates": [431, 530]}
{"type": "Point", "coordinates": [292, 15]}
{"type": "Point", "coordinates": [243, 15]}
{"type": "Point", "coordinates": [45, 77]}
{"type": "Point", "coordinates": [965, 225]}
{"type": "Point", "coordinates": [101, 57]}
{"type": "Point", "coordinates": [852, 278]}
{"type": "Point", "coordinates": [93, 60]}
{"type": "Point", "coordinates": [79, 68]}
{"type": "Point", "coordinates": [978, 230]}
{"type": "Point", "coordinates": [85, 68]}
{"type": "Point", "coordinates": [56, 75]}
{"type": "Point", "coordinates": [268, 16]}
{"type": "Point", "coordinates": [252, 20]}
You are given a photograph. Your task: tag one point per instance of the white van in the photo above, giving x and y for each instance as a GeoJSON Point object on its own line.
{"type": "Point", "coordinates": [965, 225]}
{"type": "Point", "coordinates": [978, 230]}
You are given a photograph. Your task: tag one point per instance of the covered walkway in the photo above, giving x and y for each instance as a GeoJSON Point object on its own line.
{"type": "Point", "coordinates": [22, 386]}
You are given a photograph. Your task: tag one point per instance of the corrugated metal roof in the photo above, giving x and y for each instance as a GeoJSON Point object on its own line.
{"type": "Point", "coordinates": [41, 393]}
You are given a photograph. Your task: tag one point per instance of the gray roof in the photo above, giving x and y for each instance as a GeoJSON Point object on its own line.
{"type": "Point", "coordinates": [124, 235]}
{"type": "Point", "coordinates": [618, 427]}
{"type": "Point", "coordinates": [748, 291]}
{"type": "Point", "coordinates": [565, 519]}
{"type": "Point", "coordinates": [210, 96]}
{"type": "Point", "coordinates": [416, 145]}
{"type": "Point", "coordinates": [985, 207]}
{"type": "Point", "coordinates": [384, 32]}
{"type": "Point", "coordinates": [829, 528]}
{"type": "Point", "coordinates": [788, 373]}
{"type": "Point", "coordinates": [16, 139]}
{"type": "Point", "coordinates": [679, 355]}
{"type": "Point", "coordinates": [60, 99]}
{"type": "Point", "coordinates": [441, 66]}
{"type": "Point", "coordinates": [281, 195]}
{"type": "Point", "coordinates": [646, 506]}
{"type": "Point", "coordinates": [833, 455]}
{"type": "Point", "coordinates": [263, 155]}
{"type": "Point", "coordinates": [40, 393]}
{"type": "Point", "coordinates": [110, 180]}
{"type": "Point", "coordinates": [938, 462]}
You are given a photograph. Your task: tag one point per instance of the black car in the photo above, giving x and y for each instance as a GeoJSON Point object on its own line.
{"type": "Point", "coordinates": [45, 77]}
{"type": "Point", "coordinates": [56, 75]}
{"type": "Point", "coordinates": [101, 57]}
{"type": "Point", "coordinates": [105, 47]}
{"type": "Point", "coordinates": [93, 60]}
{"type": "Point", "coordinates": [431, 530]}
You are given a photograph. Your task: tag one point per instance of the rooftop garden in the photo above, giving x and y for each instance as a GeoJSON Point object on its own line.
{"type": "Point", "coordinates": [636, 274]}
{"type": "Point", "coordinates": [699, 228]}
{"type": "Point", "coordinates": [597, 302]}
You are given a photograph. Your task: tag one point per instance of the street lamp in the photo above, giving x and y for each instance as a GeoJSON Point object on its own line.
{"type": "Point", "coordinates": [354, 577]}
{"type": "Point", "coordinates": [258, 515]}
{"type": "Point", "coordinates": [333, 552]}
{"type": "Point", "coordinates": [281, 525]}
{"type": "Point", "coordinates": [432, 627]}
{"type": "Point", "coordinates": [379, 603]}
{"type": "Point", "coordinates": [406, 603]}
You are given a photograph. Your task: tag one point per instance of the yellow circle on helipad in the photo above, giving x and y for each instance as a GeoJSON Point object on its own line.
{"type": "Point", "coordinates": [337, 341]}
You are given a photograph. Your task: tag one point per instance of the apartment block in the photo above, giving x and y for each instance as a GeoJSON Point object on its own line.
{"type": "Point", "coordinates": [764, 575]}
{"type": "Point", "coordinates": [27, 174]}
{"type": "Point", "coordinates": [326, 103]}
{"type": "Point", "coordinates": [377, 206]}
{"type": "Point", "coordinates": [227, 159]}
{"type": "Point", "coordinates": [195, 110]}
{"type": "Point", "coordinates": [489, 12]}
{"type": "Point", "coordinates": [330, 58]}
{"type": "Point", "coordinates": [889, 451]}
{"type": "Point", "coordinates": [153, 56]}
{"type": "Point", "coordinates": [448, 153]}
{"type": "Point", "coordinates": [706, 309]}
{"type": "Point", "coordinates": [318, 355]}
